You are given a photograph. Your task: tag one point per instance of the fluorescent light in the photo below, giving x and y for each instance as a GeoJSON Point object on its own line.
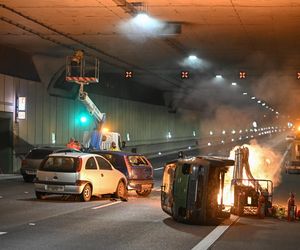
{"type": "Point", "coordinates": [233, 83]}
{"type": "Point", "coordinates": [192, 57]}
{"type": "Point", "coordinates": [259, 101]}
{"type": "Point", "coordinates": [245, 93]}
{"type": "Point", "coordinates": [219, 76]}
{"type": "Point", "coordinates": [253, 97]}
{"type": "Point", "coordinates": [263, 104]}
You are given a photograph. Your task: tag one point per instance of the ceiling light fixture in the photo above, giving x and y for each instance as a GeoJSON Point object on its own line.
{"type": "Point", "coordinates": [192, 57]}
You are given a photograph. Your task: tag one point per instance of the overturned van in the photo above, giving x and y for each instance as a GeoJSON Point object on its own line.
{"type": "Point", "coordinates": [190, 189]}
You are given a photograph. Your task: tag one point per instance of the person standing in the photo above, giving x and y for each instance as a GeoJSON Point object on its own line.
{"type": "Point", "coordinates": [291, 207]}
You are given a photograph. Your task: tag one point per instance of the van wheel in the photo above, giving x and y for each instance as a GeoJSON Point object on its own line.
{"type": "Point", "coordinates": [144, 192]}
{"type": "Point", "coordinates": [39, 195]}
{"type": "Point", "coordinates": [28, 178]}
{"type": "Point", "coordinates": [121, 191]}
{"type": "Point", "coordinates": [86, 194]}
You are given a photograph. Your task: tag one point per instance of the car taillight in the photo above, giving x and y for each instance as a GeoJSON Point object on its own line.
{"type": "Point", "coordinates": [128, 166]}
{"type": "Point", "coordinates": [127, 162]}
{"type": "Point", "coordinates": [79, 165]}
{"type": "Point", "coordinates": [24, 162]}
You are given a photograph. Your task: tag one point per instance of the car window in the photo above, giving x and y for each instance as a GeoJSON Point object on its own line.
{"type": "Point", "coordinates": [59, 164]}
{"type": "Point", "coordinates": [137, 160]}
{"type": "Point", "coordinates": [116, 160]}
{"type": "Point", "coordinates": [91, 163]}
{"type": "Point", "coordinates": [39, 153]}
{"type": "Point", "coordinates": [103, 164]}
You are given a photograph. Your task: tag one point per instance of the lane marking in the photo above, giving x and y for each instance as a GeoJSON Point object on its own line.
{"type": "Point", "coordinates": [107, 205]}
{"type": "Point", "coordinates": [2, 233]}
{"type": "Point", "coordinates": [155, 169]}
{"type": "Point", "coordinates": [213, 236]}
{"type": "Point", "coordinates": [31, 224]}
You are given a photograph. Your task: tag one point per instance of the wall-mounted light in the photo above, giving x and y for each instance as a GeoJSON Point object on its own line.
{"type": "Point", "coordinates": [20, 108]}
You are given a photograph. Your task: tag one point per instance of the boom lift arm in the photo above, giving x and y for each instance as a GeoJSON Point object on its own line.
{"type": "Point", "coordinates": [96, 137]}
{"type": "Point", "coordinates": [77, 71]}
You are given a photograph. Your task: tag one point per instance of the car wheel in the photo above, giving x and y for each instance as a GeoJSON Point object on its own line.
{"type": "Point", "coordinates": [39, 195]}
{"type": "Point", "coordinates": [121, 191]}
{"type": "Point", "coordinates": [86, 194]}
{"type": "Point", "coordinates": [28, 178]}
{"type": "Point", "coordinates": [144, 192]}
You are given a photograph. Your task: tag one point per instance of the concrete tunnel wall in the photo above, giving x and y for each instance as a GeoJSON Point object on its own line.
{"type": "Point", "coordinates": [148, 125]}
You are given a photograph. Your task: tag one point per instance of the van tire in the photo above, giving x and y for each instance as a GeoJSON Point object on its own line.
{"type": "Point", "coordinates": [121, 191]}
{"type": "Point", "coordinates": [86, 193]}
{"type": "Point", "coordinates": [28, 178]}
{"type": "Point", "coordinates": [39, 195]}
{"type": "Point", "coordinates": [144, 192]}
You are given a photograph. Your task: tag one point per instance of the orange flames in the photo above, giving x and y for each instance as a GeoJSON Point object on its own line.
{"type": "Point", "coordinates": [264, 164]}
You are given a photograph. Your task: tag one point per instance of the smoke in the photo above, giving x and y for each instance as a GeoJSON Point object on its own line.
{"type": "Point", "coordinates": [281, 89]}
{"type": "Point", "coordinates": [142, 27]}
{"type": "Point", "coordinates": [228, 118]}
{"type": "Point", "coordinates": [264, 162]}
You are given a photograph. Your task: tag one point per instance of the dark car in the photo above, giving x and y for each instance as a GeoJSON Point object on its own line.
{"type": "Point", "coordinates": [34, 158]}
{"type": "Point", "coordinates": [137, 169]}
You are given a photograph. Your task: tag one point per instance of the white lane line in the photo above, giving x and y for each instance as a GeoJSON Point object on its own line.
{"type": "Point", "coordinates": [107, 205]}
{"type": "Point", "coordinates": [1, 233]}
{"type": "Point", "coordinates": [155, 169]}
{"type": "Point", "coordinates": [213, 236]}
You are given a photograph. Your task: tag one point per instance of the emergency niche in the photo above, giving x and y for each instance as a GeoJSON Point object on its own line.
{"type": "Point", "coordinates": [190, 189]}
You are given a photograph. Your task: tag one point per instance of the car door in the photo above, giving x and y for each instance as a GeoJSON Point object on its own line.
{"type": "Point", "coordinates": [109, 177]}
{"type": "Point", "coordinates": [92, 174]}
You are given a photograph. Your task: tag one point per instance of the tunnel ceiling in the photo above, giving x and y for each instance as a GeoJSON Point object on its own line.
{"type": "Point", "coordinates": [258, 37]}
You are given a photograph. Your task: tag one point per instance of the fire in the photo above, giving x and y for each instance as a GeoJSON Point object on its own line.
{"type": "Point", "coordinates": [264, 164]}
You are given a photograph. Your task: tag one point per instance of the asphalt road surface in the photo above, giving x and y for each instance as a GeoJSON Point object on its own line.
{"type": "Point", "coordinates": [62, 222]}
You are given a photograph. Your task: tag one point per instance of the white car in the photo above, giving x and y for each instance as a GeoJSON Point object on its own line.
{"type": "Point", "coordinates": [79, 174]}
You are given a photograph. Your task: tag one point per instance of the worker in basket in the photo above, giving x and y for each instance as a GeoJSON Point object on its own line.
{"type": "Point", "coordinates": [73, 144]}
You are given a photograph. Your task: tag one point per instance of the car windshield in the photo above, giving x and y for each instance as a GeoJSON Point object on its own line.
{"type": "Point", "coordinates": [39, 153]}
{"type": "Point", "coordinates": [59, 164]}
{"type": "Point", "coordinates": [137, 160]}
